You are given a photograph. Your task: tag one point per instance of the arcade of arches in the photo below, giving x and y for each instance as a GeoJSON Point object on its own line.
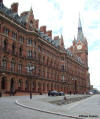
{"type": "Point", "coordinates": [23, 85]}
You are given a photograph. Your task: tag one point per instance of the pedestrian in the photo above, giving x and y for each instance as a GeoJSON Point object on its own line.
{"type": "Point", "coordinates": [49, 93]}
{"type": "Point", "coordinates": [13, 92]}
{"type": "Point", "coordinates": [0, 94]}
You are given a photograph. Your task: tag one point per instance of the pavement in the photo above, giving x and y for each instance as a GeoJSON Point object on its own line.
{"type": "Point", "coordinates": [42, 103]}
{"type": "Point", "coordinates": [39, 107]}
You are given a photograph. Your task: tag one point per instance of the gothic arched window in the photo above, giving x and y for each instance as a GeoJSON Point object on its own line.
{"type": "Point", "coordinates": [20, 50]}
{"type": "Point", "coordinates": [29, 67]}
{"type": "Point", "coordinates": [5, 44]}
{"type": "Point", "coordinates": [12, 64]}
{"type": "Point", "coordinates": [20, 83]}
{"type": "Point", "coordinates": [13, 48]}
{"type": "Point", "coordinates": [4, 62]}
{"type": "Point", "coordinates": [20, 67]}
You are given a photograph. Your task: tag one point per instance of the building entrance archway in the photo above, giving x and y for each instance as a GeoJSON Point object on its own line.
{"type": "Point", "coordinates": [12, 83]}
{"type": "Point", "coordinates": [3, 83]}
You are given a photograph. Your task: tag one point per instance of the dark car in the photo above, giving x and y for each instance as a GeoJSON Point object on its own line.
{"type": "Point", "coordinates": [54, 93]}
{"type": "Point", "coordinates": [61, 93]}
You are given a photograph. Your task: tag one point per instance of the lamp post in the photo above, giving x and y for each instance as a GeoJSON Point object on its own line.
{"type": "Point", "coordinates": [29, 70]}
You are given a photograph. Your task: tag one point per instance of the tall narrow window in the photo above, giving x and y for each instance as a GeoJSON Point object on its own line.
{"type": "Point", "coordinates": [5, 44]}
{"type": "Point", "coordinates": [29, 53]}
{"type": "Point", "coordinates": [13, 48]}
{"type": "Point", "coordinates": [63, 78]}
{"type": "Point", "coordinates": [19, 68]}
{"type": "Point", "coordinates": [29, 41]}
{"type": "Point", "coordinates": [12, 65]}
{"type": "Point", "coordinates": [20, 84]}
{"type": "Point", "coordinates": [29, 67]}
{"type": "Point", "coordinates": [21, 39]}
{"type": "Point", "coordinates": [14, 35]}
{"type": "Point", "coordinates": [4, 62]}
{"type": "Point", "coordinates": [20, 50]}
{"type": "Point", "coordinates": [6, 31]}
{"type": "Point", "coordinates": [62, 68]}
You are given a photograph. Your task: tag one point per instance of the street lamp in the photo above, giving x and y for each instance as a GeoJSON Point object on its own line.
{"type": "Point", "coordinates": [29, 70]}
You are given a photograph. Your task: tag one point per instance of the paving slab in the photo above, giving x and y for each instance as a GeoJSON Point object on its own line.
{"type": "Point", "coordinates": [43, 103]}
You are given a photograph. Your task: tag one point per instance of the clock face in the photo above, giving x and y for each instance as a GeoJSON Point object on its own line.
{"type": "Point", "coordinates": [79, 47]}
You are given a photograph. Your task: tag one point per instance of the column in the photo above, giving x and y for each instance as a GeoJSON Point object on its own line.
{"type": "Point", "coordinates": [36, 86]}
{"type": "Point", "coordinates": [8, 85]}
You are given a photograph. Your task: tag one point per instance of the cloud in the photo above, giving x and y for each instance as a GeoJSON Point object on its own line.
{"type": "Point", "coordinates": [94, 62]}
{"type": "Point", "coordinates": [92, 5]}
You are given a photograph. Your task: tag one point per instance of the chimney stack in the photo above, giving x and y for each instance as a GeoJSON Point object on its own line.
{"type": "Point", "coordinates": [49, 33]}
{"type": "Point", "coordinates": [43, 29]}
{"type": "Point", "coordinates": [14, 7]}
{"type": "Point", "coordinates": [1, 1]}
{"type": "Point", "coordinates": [56, 38]}
{"type": "Point", "coordinates": [37, 23]}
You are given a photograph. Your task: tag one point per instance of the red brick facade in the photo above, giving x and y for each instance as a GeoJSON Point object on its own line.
{"type": "Point", "coordinates": [24, 45]}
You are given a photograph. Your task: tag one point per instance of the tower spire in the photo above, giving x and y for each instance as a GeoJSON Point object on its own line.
{"type": "Point", "coordinates": [79, 22]}
{"type": "Point", "coordinates": [31, 8]}
{"type": "Point", "coordinates": [80, 36]}
{"type": "Point", "coordinates": [61, 42]}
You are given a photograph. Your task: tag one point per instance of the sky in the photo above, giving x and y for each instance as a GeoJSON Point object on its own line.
{"type": "Point", "coordinates": [61, 16]}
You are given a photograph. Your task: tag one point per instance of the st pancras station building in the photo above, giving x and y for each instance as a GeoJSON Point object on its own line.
{"type": "Point", "coordinates": [30, 59]}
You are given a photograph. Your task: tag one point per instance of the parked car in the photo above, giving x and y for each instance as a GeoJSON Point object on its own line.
{"type": "Point", "coordinates": [91, 93]}
{"type": "Point", "coordinates": [61, 93]}
{"type": "Point", "coordinates": [54, 93]}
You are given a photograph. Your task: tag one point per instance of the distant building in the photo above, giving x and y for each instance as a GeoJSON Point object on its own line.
{"type": "Point", "coordinates": [30, 59]}
{"type": "Point", "coordinates": [94, 91]}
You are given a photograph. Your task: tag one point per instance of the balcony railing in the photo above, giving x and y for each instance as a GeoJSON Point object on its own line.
{"type": "Point", "coordinates": [5, 50]}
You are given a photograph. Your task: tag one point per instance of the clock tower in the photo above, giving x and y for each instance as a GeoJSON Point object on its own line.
{"type": "Point", "coordinates": [80, 46]}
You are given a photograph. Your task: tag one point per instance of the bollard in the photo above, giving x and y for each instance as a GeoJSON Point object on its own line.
{"type": "Point", "coordinates": [65, 98]}
{"type": "Point", "coordinates": [0, 94]}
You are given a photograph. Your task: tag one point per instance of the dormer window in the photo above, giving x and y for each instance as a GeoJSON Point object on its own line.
{"type": "Point", "coordinates": [31, 23]}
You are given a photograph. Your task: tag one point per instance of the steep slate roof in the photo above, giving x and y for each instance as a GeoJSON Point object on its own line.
{"type": "Point", "coordinates": [80, 35]}
{"type": "Point", "coordinates": [9, 13]}
{"type": "Point", "coordinates": [24, 18]}
{"type": "Point", "coordinates": [22, 21]}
